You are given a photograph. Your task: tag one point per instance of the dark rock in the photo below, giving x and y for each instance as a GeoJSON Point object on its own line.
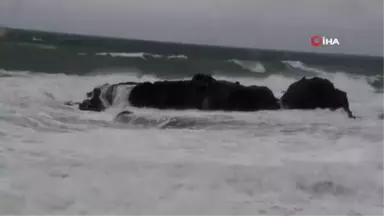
{"type": "Point", "coordinates": [101, 97]}
{"type": "Point", "coordinates": [315, 93]}
{"type": "Point", "coordinates": [202, 92]}
{"type": "Point", "coordinates": [94, 103]}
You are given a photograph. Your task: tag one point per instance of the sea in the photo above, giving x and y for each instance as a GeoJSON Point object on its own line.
{"type": "Point", "coordinates": [55, 159]}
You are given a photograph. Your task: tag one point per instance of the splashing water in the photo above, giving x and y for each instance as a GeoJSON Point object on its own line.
{"type": "Point", "coordinates": [56, 159]}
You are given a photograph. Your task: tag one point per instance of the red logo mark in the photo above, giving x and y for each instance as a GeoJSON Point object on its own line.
{"type": "Point", "coordinates": [316, 40]}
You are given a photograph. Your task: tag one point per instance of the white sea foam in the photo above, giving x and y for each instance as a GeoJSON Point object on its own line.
{"type": "Point", "coordinates": [253, 66]}
{"type": "Point", "coordinates": [177, 57]}
{"type": "Point", "coordinates": [139, 55]}
{"type": "Point", "coordinates": [55, 159]}
{"type": "Point", "coordinates": [128, 55]}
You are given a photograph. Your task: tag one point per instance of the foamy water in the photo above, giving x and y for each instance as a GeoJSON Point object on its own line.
{"type": "Point", "coordinates": [55, 159]}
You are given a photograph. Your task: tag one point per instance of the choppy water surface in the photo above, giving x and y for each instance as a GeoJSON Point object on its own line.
{"type": "Point", "coordinates": [55, 159]}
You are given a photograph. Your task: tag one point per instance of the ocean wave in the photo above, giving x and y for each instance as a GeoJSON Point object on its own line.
{"type": "Point", "coordinates": [129, 55]}
{"type": "Point", "coordinates": [377, 82]}
{"type": "Point", "coordinates": [254, 66]}
{"type": "Point", "coordinates": [75, 54]}
{"type": "Point", "coordinates": [177, 57]}
{"type": "Point", "coordinates": [78, 59]}
{"type": "Point", "coordinates": [141, 55]}
{"type": "Point", "coordinates": [247, 65]}
{"type": "Point", "coordinates": [40, 46]}
{"type": "Point", "coordinates": [183, 62]}
{"type": "Point", "coordinates": [21, 94]}
{"type": "Point", "coordinates": [6, 73]}
{"type": "Point", "coordinates": [87, 61]}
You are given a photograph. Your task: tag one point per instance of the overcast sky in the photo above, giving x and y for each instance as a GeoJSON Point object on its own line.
{"type": "Point", "coordinates": [274, 24]}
